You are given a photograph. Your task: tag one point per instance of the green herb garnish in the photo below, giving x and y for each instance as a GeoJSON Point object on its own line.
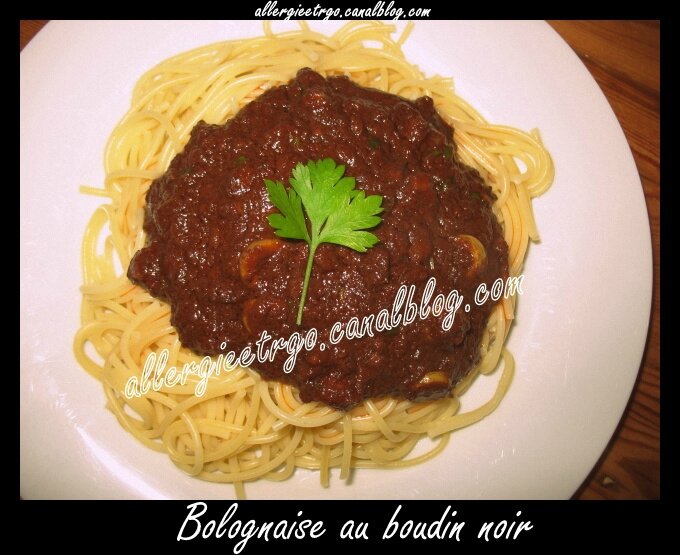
{"type": "Point", "coordinates": [446, 152]}
{"type": "Point", "coordinates": [337, 212]}
{"type": "Point", "coordinates": [374, 143]}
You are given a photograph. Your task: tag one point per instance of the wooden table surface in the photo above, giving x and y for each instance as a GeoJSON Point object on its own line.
{"type": "Point", "coordinates": [623, 57]}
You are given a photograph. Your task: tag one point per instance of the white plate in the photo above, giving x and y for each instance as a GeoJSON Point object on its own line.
{"type": "Point", "coordinates": [581, 325]}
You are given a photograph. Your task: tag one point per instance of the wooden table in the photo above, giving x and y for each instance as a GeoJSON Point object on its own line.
{"type": "Point", "coordinates": [623, 57]}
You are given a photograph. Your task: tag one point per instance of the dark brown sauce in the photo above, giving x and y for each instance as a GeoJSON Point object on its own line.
{"type": "Point", "coordinates": [212, 255]}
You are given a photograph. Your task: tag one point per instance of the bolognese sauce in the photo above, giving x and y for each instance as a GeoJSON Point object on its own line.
{"type": "Point", "coordinates": [213, 256]}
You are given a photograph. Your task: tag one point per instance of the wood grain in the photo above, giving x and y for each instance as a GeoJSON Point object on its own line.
{"type": "Point", "coordinates": [623, 57]}
{"type": "Point", "coordinates": [27, 30]}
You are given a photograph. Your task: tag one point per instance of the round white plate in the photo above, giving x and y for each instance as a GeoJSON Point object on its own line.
{"type": "Point", "coordinates": [581, 323]}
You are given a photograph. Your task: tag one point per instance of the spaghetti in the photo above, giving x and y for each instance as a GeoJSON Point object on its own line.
{"type": "Point", "coordinates": [245, 428]}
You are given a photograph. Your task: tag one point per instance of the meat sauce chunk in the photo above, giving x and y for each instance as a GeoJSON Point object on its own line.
{"type": "Point", "coordinates": [212, 255]}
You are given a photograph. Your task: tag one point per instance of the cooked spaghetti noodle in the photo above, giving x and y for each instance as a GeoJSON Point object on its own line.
{"type": "Point", "coordinates": [245, 428]}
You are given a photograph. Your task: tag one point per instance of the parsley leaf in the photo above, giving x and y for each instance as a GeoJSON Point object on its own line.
{"type": "Point", "coordinates": [337, 212]}
{"type": "Point", "coordinates": [291, 222]}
